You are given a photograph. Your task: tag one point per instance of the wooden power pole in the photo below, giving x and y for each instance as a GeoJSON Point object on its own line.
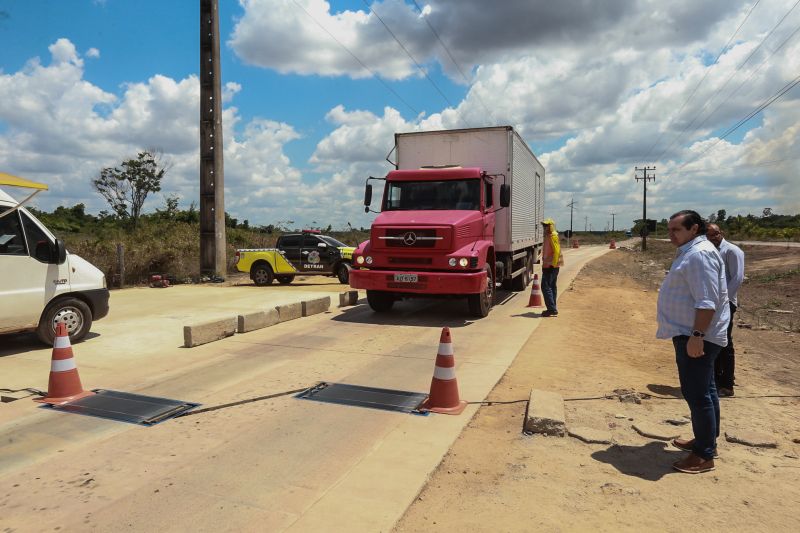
{"type": "Point", "coordinates": [644, 179]}
{"type": "Point", "coordinates": [213, 260]}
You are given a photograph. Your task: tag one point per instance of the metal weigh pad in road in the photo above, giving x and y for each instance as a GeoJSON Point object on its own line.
{"type": "Point", "coordinates": [126, 407]}
{"type": "Point", "coordinates": [386, 399]}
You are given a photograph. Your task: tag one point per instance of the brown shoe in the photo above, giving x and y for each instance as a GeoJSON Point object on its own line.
{"type": "Point", "coordinates": [725, 392]}
{"type": "Point", "coordinates": [694, 464]}
{"type": "Point", "coordinates": [687, 445]}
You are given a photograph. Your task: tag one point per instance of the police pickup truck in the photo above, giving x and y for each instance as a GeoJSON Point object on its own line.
{"type": "Point", "coordinates": [306, 253]}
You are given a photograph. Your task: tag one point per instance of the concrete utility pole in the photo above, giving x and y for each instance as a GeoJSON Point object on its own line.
{"type": "Point", "coordinates": [644, 179]}
{"type": "Point", "coordinates": [213, 260]}
{"type": "Point", "coordinates": [571, 206]}
{"type": "Point", "coordinates": [585, 222]}
{"type": "Point", "coordinates": [613, 214]}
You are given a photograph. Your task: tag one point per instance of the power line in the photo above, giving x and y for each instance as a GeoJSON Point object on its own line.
{"type": "Point", "coordinates": [742, 64]}
{"type": "Point", "coordinates": [422, 70]}
{"type": "Point", "coordinates": [374, 75]}
{"type": "Point", "coordinates": [724, 48]}
{"type": "Point", "coordinates": [453, 59]}
{"type": "Point", "coordinates": [786, 88]}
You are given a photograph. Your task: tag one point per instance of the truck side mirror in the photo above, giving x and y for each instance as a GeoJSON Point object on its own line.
{"type": "Point", "coordinates": [367, 197]}
{"type": "Point", "coordinates": [505, 195]}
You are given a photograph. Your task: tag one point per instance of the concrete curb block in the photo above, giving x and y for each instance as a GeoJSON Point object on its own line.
{"type": "Point", "coordinates": [205, 332]}
{"type": "Point", "coordinates": [348, 298]}
{"type": "Point", "coordinates": [315, 306]}
{"type": "Point", "coordinates": [289, 311]}
{"type": "Point", "coordinates": [545, 414]}
{"type": "Point", "coordinates": [257, 320]}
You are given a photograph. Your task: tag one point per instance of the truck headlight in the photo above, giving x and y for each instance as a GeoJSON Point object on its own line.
{"type": "Point", "coordinates": [463, 261]}
{"type": "Point", "coordinates": [452, 262]}
{"type": "Point", "coordinates": [360, 259]}
{"type": "Point", "coordinates": [369, 259]}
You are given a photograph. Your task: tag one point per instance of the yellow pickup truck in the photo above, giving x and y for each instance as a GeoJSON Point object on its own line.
{"type": "Point", "coordinates": [306, 253]}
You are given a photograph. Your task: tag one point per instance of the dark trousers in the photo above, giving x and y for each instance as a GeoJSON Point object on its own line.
{"type": "Point", "coordinates": [549, 288]}
{"type": "Point", "coordinates": [700, 392]}
{"type": "Point", "coordinates": [726, 362]}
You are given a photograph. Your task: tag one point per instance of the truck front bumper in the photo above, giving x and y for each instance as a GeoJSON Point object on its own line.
{"type": "Point", "coordinates": [427, 282]}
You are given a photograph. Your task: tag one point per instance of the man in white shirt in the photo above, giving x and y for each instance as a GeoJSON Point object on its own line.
{"type": "Point", "coordinates": [693, 312]}
{"type": "Point", "coordinates": [733, 257]}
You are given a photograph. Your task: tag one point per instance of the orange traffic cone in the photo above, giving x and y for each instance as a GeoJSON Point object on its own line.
{"type": "Point", "coordinates": [613, 245]}
{"type": "Point", "coordinates": [444, 387]}
{"type": "Point", "coordinates": [65, 384]}
{"type": "Point", "coordinates": [536, 293]}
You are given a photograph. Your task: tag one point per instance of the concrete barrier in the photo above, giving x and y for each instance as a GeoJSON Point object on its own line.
{"type": "Point", "coordinates": [348, 298]}
{"type": "Point", "coordinates": [315, 306]}
{"type": "Point", "coordinates": [545, 414]}
{"type": "Point", "coordinates": [257, 320]}
{"type": "Point", "coordinates": [289, 311]}
{"type": "Point", "coordinates": [205, 332]}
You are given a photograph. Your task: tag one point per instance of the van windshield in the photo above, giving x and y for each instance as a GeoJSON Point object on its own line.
{"type": "Point", "coordinates": [434, 195]}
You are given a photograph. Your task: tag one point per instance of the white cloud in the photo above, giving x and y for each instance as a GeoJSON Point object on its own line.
{"type": "Point", "coordinates": [93, 53]}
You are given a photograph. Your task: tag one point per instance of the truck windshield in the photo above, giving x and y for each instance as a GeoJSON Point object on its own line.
{"type": "Point", "coordinates": [434, 195]}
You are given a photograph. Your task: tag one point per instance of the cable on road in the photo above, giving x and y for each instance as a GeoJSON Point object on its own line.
{"type": "Point", "coordinates": [31, 390]}
{"type": "Point", "coordinates": [242, 402]}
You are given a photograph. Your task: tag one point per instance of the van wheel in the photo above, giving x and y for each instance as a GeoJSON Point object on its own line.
{"type": "Point", "coordinates": [262, 275]}
{"type": "Point", "coordinates": [480, 304]}
{"type": "Point", "coordinates": [343, 273]}
{"type": "Point", "coordinates": [72, 312]}
{"type": "Point", "coordinates": [379, 301]}
{"type": "Point", "coordinates": [285, 280]}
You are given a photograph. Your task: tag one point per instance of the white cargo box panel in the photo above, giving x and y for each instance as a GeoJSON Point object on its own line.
{"type": "Point", "coordinates": [498, 150]}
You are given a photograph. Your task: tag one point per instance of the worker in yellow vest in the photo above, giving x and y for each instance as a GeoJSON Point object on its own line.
{"type": "Point", "coordinates": [552, 260]}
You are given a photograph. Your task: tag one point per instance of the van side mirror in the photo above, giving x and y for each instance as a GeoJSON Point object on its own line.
{"type": "Point", "coordinates": [505, 195]}
{"type": "Point", "coordinates": [367, 197]}
{"type": "Point", "coordinates": [52, 253]}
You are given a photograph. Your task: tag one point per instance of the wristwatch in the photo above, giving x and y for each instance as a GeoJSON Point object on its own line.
{"type": "Point", "coordinates": [698, 333]}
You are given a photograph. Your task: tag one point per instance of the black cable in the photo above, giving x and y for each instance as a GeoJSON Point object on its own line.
{"type": "Point", "coordinates": [242, 402]}
{"type": "Point", "coordinates": [26, 389]}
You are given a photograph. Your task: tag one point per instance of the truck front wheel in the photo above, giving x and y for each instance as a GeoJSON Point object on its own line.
{"type": "Point", "coordinates": [72, 312]}
{"type": "Point", "coordinates": [262, 275]}
{"type": "Point", "coordinates": [379, 301]}
{"type": "Point", "coordinates": [481, 303]}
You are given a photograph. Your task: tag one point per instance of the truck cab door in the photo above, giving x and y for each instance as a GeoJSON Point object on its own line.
{"type": "Point", "coordinates": [316, 258]}
{"type": "Point", "coordinates": [27, 284]}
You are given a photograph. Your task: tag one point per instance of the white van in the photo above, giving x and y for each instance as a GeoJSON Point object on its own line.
{"type": "Point", "coordinates": [41, 284]}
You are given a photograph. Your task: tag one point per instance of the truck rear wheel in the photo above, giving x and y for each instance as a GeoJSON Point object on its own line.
{"type": "Point", "coordinates": [522, 281]}
{"type": "Point", "coordinates": [481, 303]}
{"type": "Point", "coordinates": [380, 301]}
{"type": "Point", "coordinates": [262, 275]}
{"type": "Point", "coordinates": [72, 312]}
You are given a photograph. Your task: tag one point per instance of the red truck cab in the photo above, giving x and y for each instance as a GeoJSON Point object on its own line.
{"type": "Point", "coordinates": [433, 237]}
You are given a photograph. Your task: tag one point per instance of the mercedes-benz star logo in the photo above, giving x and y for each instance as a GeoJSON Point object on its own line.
{"type": "Point", "coordinates": [409, 238]}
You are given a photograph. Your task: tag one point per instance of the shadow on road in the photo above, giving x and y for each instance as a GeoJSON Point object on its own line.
{"type": "Point", "coordinates": [665, 390]}
{"type": "Point", "coordinates": [21, 343]}
{"type": "Point", "coordinates": [650, 462]}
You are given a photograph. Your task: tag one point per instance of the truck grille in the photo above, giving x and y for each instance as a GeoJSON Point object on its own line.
{"type": "Point", "coordinates": [411, 238]}
{"type": "Point", "coordinates": [410, 261]}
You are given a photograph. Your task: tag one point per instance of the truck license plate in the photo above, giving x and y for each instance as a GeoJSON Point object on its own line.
{"type": "Point", "coordinates": [406, 278]}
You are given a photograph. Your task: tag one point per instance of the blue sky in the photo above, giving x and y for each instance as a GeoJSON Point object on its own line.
{"type": "Point", "coordinates": [88, 83]}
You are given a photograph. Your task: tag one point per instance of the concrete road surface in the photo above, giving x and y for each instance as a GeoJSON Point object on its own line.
{"type": "Point", "coordinates": [283, 464]}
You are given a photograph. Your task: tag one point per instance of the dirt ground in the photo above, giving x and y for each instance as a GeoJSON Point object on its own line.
{"type": "Point", "coordinates": [496, 478]}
